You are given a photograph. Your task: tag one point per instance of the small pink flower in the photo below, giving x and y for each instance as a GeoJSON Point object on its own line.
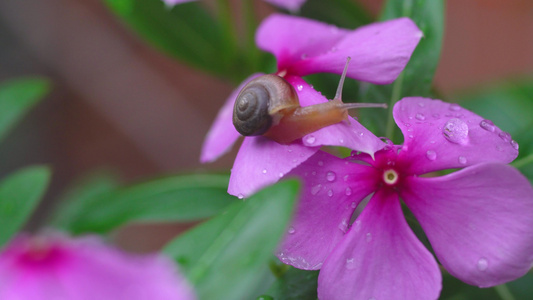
{"type": "Point", "coordinates": [54, 267]}
{"type": "Point", "coordinates": [479, 220]}
{"type": "Point", "coordinates": [378, 52]}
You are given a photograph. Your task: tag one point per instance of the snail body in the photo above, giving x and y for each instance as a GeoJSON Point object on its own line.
{"type": "Point", "coordinates": [269, 106]}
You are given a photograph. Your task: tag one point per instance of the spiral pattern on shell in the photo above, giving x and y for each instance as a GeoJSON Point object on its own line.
{"type": "Point", "coordinates": [250, 113]}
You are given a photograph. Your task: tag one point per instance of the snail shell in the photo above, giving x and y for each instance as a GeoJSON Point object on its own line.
{"type": "Point", "coordinates": [262, 103]}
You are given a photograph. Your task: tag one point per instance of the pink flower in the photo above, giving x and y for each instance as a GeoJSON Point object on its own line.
{"type": "Point", "coordinates": [54, 267]}
{"type": "Point", "coordinates": [378, 52]}
{"type": "Point", "coordinates": [479, 220]}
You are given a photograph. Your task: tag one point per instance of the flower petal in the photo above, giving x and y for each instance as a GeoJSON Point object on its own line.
{"type": "Point", "coordinates": [261, 162]}
{"type": "Point", "coordinates": [292, 39]}
{"type": "Point", "coordinates": [440, 135]}
{"type": "Point", "coordinates": [332, 190]}
{"type": "Point", "coordinates": [174, 2]}
{"type": "Point", "coordinates": [84, 269]}
{"type": "Point", "coordinates": [479, 221]}
{"type": "Point", "coordinates": [379, 51]}
{"type": "Point", "coordinates": [222, 134]}
{"type": "Point", "coordinates": [350, 134]}
{"type": "Point", "coordinates": [380, 258]}
{"type": "Point", "coordinates": [291, 5]}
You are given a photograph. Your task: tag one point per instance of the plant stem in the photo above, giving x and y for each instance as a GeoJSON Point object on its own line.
{"type": "Point", "coordinates": [395, 96]}
{"type": "Point", "coordinates": [504, 292]}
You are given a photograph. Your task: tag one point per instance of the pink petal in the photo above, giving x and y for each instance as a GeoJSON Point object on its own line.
{"type": "Point", "coordinates": [380, 258]}
{"type": "Point", "coordinates": [222, 134]}
{"type": "Point", "coordinates": [292, 39]}
{"type": "Point", "coordinates": [261, 162]}
{"type": "Point", "coordinates": [292, 5]}
{"type": "Point", "coordinates": [379, 51]}
{"type": "Point", "coordinates": [440, 135]}
{"type": "Point", "coordinates": [479, 221]}
{"type": "Point", "coordinates": [350, 134]}
{"type": "Point", "coordinates": [332, 190]}
{"type": "Point", "coordinates": [84, 269]}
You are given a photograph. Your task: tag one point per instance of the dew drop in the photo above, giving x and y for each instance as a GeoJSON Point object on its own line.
{"type": "Point", "coordinates": [462, 160]}
{"type": "Point", "coordinates": [421, 104]}
{"type": "Point", "coordinates": [348, 192]}
{"type": "Point", "coordinates": [354, 205]}
{"type": "Point", "coordinates": [436, 116]}
{"type": "Point", "coordinates": [341, 141]}
{"type": "Point", "coordinates": [411, 136]}
{"type": "Point", "coordinates": [330, 193]}
{"type": "Point", "coordinates": [420, 117]}
{"type": "Point", "coordinates": [304, 56]}
{"type": "Point", "coordinates": [310, 139]}
{"type": "Point", "coordinates": [505, 136]}
{"type": "Point", "coordinates": [240, 196]}
{"type": "Point", "coordinates": [300, 87]}
{"type": "Point", "coordinates": [313, 173]}
{"type": "Point", "coordinates": [514, 144]}
{"type": "Point", "coordinates": [350, 265]}
{"type": "Point", "coordinates": [345, 178]}
{"type": "Point", "coordinates": [333, 49]}
{"type": "Point", "coordinates": [455, 107]}
{"type": "Point", "coordinates": [455, 131]}
{"type": "Point", "coordinates": [482, 264]}
{"type": "Point", "coordinates": [343, 226]}
{"type": "Point", "coordinates": [368, 237]}
{"type": "Point", "coordinates": [291, 230]}
{"type": "Point", "coordinates": [407, 124]}
{"type": "Point", "coordinates": [264, 171]}
{"type": "Point", "coordinates": [280, 175]}
{"type": "Point", "coordinates": [316, 189]}
{"type": "Point", "coordinates": [487, 125]}
{"type": "Point", "coordinates": [431, 155]}
{"type": "Point", "coordinates": [330, 176]}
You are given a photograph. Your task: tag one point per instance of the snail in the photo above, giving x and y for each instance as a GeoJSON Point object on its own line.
{"type": "Point", "coordinates": [269, 106]}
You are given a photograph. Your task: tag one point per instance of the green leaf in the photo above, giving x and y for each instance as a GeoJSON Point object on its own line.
{"type": "Point", "coordinates": [174, 198]}
{"type": "Point", "coordinates": [225, 258]}
{"type": "Point", "coordinates": [19, 195]}
{"type": "Point", "coordinates": [295, 284]}
{"type": "Point", "coordinates": [17, 97]}
{"type": "Point", "coordinates": [417, 78]}
{"type": "Point", "coordinates": [80, 197]}
{"type": "Point", "coordinates": [342, 13]}
{"type": "Point", "coordinates": [186, 31]}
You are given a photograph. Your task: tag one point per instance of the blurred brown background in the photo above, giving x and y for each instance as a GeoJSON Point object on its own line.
{"type": "Point", "coordinates": [120, 104]}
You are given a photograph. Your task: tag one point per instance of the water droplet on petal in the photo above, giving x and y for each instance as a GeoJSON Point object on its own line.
{"type": "Point", "coordinates": [240, 196]}
{"type": "Point", "coordinates": [348, 192]}
{"type": "Point", "coordinates": [462, 160]}
{"type": "Point", "coordinates": [455, 131]}
{"type": "Point", "coordinates": [330, 176]}
{"type": "Point", "coordinates": [487, 125]}
{"type": "Point", "coordinates": [368, 237]}
{"type": "Point", "coordinates": [264, 171]}
{"type": "Point", "coordinates": [505, 136]}
{"type": "Point", "coordinates": [280, 175]}
{"type": "Point", "coordinates": [420, 117]}
{"type": "Point", "coordinates": [411, 136]}
{"type": "Point", "coordinates": [436, 116]}
{"type": "Point", "coordinates": [421, 104]}
{"type": "Point", "coordinates": [455, 107]}
{"type": "Point", "coordinates": [310, 139]}
{"type": "Point", "coordinates": [304, 56]}
{"type": "Point", "coordinates": [357, 225]}
{"type": "Point", "coordinates": [341, 141]}
{"type": "Point", "coordinates": [482, 264]}
{"type": "Point", "coordinates": [514, 144]}
{"type": "Point", "coordinates": [299, 87]}
{"type": "Point", "coordinates": [291, 230]}
{"type": "Point", "coordinates": [320, 163]}
{"type": "Point", "coordinates": [330, 193]}
{"type": "Point", "coordinates": [333, 49]}
{"type": "Point", "coordinates": [343, 226]}
{"type": "Point", "coordinates": [316, 189]}
{"type": "Point", "coordinates": [431, 155]}
{"type": "Point", "coordinates": [406, 124]}
{"type": "Point", "coordinates": [313, 173]}
{"type": "Point", "coordinates": [345, 178]}
{"type": "Point", "coordinates": [354, 205]}
{"type": "Point", "coordinates": [350, 264]}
